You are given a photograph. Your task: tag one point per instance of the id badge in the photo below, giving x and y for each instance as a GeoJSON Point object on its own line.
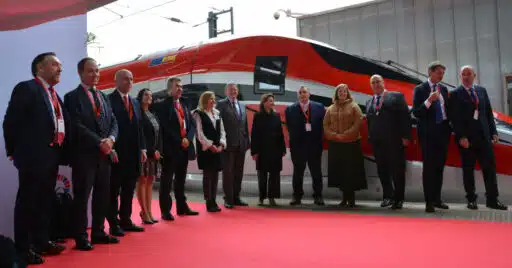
{"type": "Point", "coordinates": [475, 115]}
{"type": "Point", "coordinates": [308, 126]}
{"type": "Point", "coordinates": [60, 126]}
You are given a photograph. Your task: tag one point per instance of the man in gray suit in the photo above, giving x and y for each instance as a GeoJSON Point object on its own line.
{"type": "Point", "coordinates": [234, 118]}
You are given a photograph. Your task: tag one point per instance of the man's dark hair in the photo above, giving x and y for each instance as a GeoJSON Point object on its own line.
{"type": "Point", "coordinates": [82, 62]}
{"type": "Point", "coordinates": [172, 80]}
{"type": "Point", "coordinates": [432, 67]}
{"type": "Point", "coordinates": [38, 59]}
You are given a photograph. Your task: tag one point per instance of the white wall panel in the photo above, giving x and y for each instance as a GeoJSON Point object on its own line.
{"type": "Point", "coordinates": [416, 32]}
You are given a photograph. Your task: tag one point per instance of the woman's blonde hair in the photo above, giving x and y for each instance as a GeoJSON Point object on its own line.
{"type": "Point", "coordinates": [203, 100]}
{"type": "Point", "coordinates": [336, 98]}
{"type": "Point", "coordinates": [264, 98]}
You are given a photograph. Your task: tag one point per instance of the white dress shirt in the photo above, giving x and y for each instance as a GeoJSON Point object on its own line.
{"type": "Point", "coordinates": [205, 142]}
{"type": "Point", "coordinates": [46, 86]}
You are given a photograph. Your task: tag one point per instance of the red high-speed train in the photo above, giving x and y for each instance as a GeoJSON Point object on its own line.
{"type": "Point", "coordinates": [280, 65]}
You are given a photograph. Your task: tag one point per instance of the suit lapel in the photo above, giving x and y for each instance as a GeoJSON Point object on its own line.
{"type": "Point", "coordinates": [86, 101]}
{"type": "Point", "coordinates": [46, 99]}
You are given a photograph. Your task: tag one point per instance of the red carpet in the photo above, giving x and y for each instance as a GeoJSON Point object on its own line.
{"type": "Point", "coordinates": [253, 237]}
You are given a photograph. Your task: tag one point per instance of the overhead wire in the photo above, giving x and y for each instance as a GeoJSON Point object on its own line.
{"type": "Point", "coordinates": [135, 13]}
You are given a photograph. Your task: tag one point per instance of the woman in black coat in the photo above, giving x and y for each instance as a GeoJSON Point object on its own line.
{"type": "Point", "coordinates": [210, 143]}
{"type": "Point", "coordinates": [268, 149]}
{"type": "Point", "coordinates": [151, 168]}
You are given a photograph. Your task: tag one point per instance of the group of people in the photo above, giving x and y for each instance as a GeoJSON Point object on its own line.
{"type": "Point", "coordinates": [117, 145]}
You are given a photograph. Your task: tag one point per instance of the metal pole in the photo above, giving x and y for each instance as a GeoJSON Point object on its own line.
{"type": "Point", "coordinates": [232, 22]}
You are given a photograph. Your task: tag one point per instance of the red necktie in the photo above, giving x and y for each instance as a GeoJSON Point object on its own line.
{"type": "Point", "coordinates": [181, 116]}
{"type": "Point", "coordinates": [128, 107]}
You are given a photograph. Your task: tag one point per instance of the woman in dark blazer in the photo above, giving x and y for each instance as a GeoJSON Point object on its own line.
{"type": "Point", "coordinates": [210, 142]}
{"type": "Point", "coordinates": [268, 149]}
{"type": "Point", "coordinates": [151, 168]}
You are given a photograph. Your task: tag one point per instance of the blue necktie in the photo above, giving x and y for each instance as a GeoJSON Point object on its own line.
{"type": "Point", "coordinates": [473, 95]}
{"type": "Point", "coordinates": [439, 109]}
{"type": "Point", "coordinates": [378, 102]}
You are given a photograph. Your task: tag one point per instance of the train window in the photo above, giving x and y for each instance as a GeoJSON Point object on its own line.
{"type": "Point", "coordinates": [270, 74]}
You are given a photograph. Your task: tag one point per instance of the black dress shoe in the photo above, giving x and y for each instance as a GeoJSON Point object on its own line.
{"type": "Point", "coordinates": [228, 205]}
{"type": "Point", "coordinates": [50, 249]}
{"type": "Point", "coordinates": [116, 231]}
{"type": "Point", "coordinates": [472, 205]}
{"type": "Point", "coordinates": [496, 205]}
{"type": "Point", "coordinates": [397, 205]}
{"type": "Point", "coordinates": [83, 244]}
{"type": "Point", "coordinates": [429, 208]}
{"type": "Point", "coordinates": [188, 212]}
{"type": "Point", "coordinates": [386, 203]}
{"type": "Point", "coordinates": [213, 208]}
{"type": "Point", "coordinates": [295, 202]}
{"type": "Point", "coordinates": [31, 257]}
{"type": "Point", "coordinates": [240, 203]}
{"type": "Point", "coordinates": [104, 239]}
{"type": "Point", "coordinates": [132, 228]}
{"type": "Point", "coordinates": [167, 217]}
{"type": "Point", "coordinates": [441, 205]}
{"type": "Point", "coordinates": [319, 201]}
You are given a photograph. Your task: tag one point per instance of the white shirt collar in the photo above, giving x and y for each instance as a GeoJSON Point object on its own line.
{"type": "Point", "coordinates": [45, 84]}
{"type": "Point", "coordinates": [468, 89]}
{"type": "Point", "coordinates": [304, 105]}
{"type": "Point", "coordinates": [376, 95]}
{"type": "Point", "coordinates": [122, 94]}
{"type": "Point", "coordinates": [431, 84]}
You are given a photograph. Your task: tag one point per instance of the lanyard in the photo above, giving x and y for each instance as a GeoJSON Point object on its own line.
{"type": "Point", "coordinates": [377, 107]}
{"type": "Point", "coordinates": [97, 110]}
{"type": "Point", "coordinates": [475, 100]}
{"type": "Point", "coordinates": [53, 99]}
{"type": "Point", "coordinates": [307, 113]}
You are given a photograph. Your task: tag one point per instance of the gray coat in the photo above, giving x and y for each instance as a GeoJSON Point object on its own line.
{"type": "Point", "coordinates": [237, 132]}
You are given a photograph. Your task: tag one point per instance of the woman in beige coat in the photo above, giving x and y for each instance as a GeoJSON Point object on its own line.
{"type": "Point", "coordinates": [345, 158]}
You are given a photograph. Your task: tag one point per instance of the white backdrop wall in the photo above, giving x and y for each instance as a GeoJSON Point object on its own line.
{"type": "Point", "coordinates": [67, 38]}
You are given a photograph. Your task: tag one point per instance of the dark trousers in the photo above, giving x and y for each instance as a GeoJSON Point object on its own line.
{"type": "Point", "coordinates": [269, 184]}
{"type": "Point", "coordinates": [434, 150]}
{"type": "Point", "coordinates": [36, 192]}
{"type": "Point", "coordinates": [174, 170]}
{"type": "Point", "coordinates": [390, 158]}
{"type": "Point", "coordinates": [485, 155]}
{"type": "Point", "coordinates": [232, 174]}
{"type": "Point", "coordinates": [91, 173]}
{"type": "Point", "coordinates": [314, 161]}
{"type": "Point", "coordinates": [122, 187]}
{"type": "Point", "coordinates": [210, 182]}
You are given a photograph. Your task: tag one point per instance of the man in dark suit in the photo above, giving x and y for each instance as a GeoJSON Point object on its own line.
{"type": "Point", "coordinates": [178, 132]}
{"type": "Point", "coordinates": [35, 131]}
{"type": "Point", "coordinates": [94, 130]}
{"type": "Point", "coordinates": [234, 118]}
{"type": "Point", "coordinates": [475, 130]}
{"type": "Point", "coordinates": [304, 120]}
{"type": "Point", "coordinates": [130, 150]}
{"type": "Point", "coordinates": [430, 107]}
{"type": "Point", "coordinates": [389, 131]}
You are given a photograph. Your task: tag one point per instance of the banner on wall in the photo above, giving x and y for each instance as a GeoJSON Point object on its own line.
{"type": "Point", "coordinates": [67, 38]}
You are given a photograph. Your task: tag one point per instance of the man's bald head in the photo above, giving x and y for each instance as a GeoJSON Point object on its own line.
{"type": "Point", "coordinates": [377, 84]}
{"type": "Point", "coordinates": [124, 80]}
{"type": "Point", "coordinates": [467, 76]}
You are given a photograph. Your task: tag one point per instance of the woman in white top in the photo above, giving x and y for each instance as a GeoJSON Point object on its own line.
{"type": "Point", "coordinates": [210, 142]}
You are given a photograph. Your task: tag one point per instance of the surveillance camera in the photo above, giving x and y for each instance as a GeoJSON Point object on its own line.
{"type": "Point", "coordinates": [276, 15]}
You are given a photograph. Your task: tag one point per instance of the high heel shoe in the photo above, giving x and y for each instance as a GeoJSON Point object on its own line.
{"type": "Point", "coordinates": [143, 218]}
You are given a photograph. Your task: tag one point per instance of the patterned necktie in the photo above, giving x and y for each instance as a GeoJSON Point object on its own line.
{"type": "Point", "coordinates": [473, 97]}
{"type": "Point", "coordinates": [236, 110]}
{"type": "Point", "coordinates": [439, 109]}
{"type": "Point", "coordinates": [377, 103]}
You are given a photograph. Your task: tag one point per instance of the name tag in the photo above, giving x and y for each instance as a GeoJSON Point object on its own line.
{"type": "Point", "coordinates": [308, 127]}
{"type": "Point", "coordinates": [60, 126]}
{"type": "Point", "coordinates": [475, 115]}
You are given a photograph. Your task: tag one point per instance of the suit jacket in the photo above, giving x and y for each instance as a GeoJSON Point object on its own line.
{"type": "Point", "coordinates": [300, 139]}
{"type": "Point", "coordinates": [427, 126]}
{"type": "Point", "coordinates": [462, 112]}
{"type": "Point", "coordinates": [237, 131]}
{"type": "Point", "coordinates": [130, 141]}
{"type": "Point", "coordinates": [393, 123]}
{"type": "Point", "coordinates": [151, 143]}
{"type": "Point", "coordinates": [29, 128]}
{"type": "Point", "coordinates": [87, 130]}
{"type": "Point", "coordinates": [170, 125]}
